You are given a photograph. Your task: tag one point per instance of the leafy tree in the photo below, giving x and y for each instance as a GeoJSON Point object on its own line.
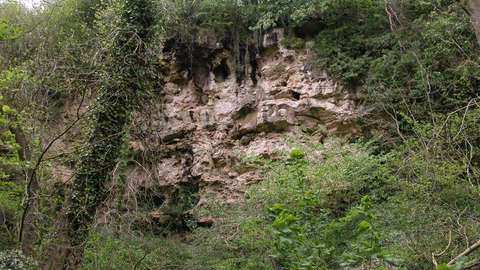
{"type": "Point", "coordinates": [16, 173]}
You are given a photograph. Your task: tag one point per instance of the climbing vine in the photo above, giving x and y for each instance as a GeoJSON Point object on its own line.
{"type": "Point", "coordinates": [129, 76]}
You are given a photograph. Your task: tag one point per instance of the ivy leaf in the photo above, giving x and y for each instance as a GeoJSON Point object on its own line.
{"type": "Point", "coordinates": [278, 223]}
{"type": "Point", "coordinates": [444, 266]}
{"type": "Point", "coordinates": [364, 226]}
{"type": "Point", "coordinates": [6, 109]}
{"type": "Point", "coordinates": [394, 261]}
{"type": "Point", "coordinates": [285, 240]}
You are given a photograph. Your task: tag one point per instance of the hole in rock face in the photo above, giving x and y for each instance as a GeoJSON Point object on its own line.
{"type": "Point", "coordinates": [309, 29]}
{"type": "Point", "coordinates": [191, 114]}
{"type": "Point", "coordinates": [157, 200]}
{"type": "Point", "coordinates": [150, 197]}
{"type": "Point", "coordinates": [169, 45]}
{"type": "Point", "coordinates": [221, 71]}
{"type": "Point", "coordinates": [169, 209]}
{"type": "Point", "coordinates": [295, 95]}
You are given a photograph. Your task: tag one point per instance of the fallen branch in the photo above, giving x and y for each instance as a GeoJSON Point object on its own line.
{"type": "Point", "coordinates": [465, 253]}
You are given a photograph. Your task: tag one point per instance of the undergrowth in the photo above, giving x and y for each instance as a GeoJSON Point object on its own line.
{"type": "Point", "coordinates": [332, 205]}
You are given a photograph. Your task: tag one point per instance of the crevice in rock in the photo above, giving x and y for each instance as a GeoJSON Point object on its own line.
{"type": "Point", "coordinates": [190, 113]}
{"type": "Point", "coordinates": [254, 65]}
{"type": "Point", "coordinates": [240, 72]}
{"type": "Point", "coordinates": [295, 95]}
{"type": "Point", "coordinates": [221, 71]}
{"type": "Point", "coordinates": [247, 106]}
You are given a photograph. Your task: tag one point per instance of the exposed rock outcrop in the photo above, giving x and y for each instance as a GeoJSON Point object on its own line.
{"type": "Point", "coordinates": [197, 134]}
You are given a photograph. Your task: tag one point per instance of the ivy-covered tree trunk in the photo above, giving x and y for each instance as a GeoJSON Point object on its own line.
{"type": "Point", "coordinates": [130, 70]}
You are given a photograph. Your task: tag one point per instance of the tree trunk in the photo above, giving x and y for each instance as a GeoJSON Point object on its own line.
{"type": "Point", "coordinates": [28, 233]}
{"type": "Point", "coordinates": [130, 69]}
{"type": "Point", "coordinates": [475, 17]}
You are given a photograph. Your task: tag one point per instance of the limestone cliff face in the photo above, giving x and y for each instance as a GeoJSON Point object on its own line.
{"type": "Point", "coordinates": [196, 136]}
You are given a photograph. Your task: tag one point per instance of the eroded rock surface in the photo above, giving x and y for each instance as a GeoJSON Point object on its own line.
{"type": "Point", "coordinates": [205, 123]}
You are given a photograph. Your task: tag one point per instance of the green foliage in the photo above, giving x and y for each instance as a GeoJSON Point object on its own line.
{"type": "Point", "coordinates": [292, 43]}
{"type": "Point", "coordinates": [307, 225]}
{"type": "Point", "coordinates": [8, 32]}
{"type": "Point", "coordinates": [432, 69]}
{"type": "Point", "coordinates": [286, 13]}
{"type": "Point", "coordinates": [390, 229]}
{"type": "Point", "coordinates": [104, 252]}
{"type": "Point", "coordinates": [130, 78]}
{"type": "Point", "coordinates": [308, 209]}
{"type": "Point", "coordinates": [11, 190]}
{"type": "Point", "coordinates": [459, 264]}
{"type": "Point", "coordinates": [318, 217]}
{"type": "Point", "coordinates": [10, 201]}
{"type": "Point", "coordinates": [435, 169]}
{"type": "Point", "coordinates": [16, 260]}
{"type": "Point", "coordinates": [224, 17]}
{"type": "Point", "coordinates": [444, 266]}
{"type": "Point", "coordinates": [356, 32]}
{"type": "Point", "coordinates": [367, 249]}
{"type": "Point", "coordinates": [292, 229]}
{"type": "Point", "coordinates": [296, 154]}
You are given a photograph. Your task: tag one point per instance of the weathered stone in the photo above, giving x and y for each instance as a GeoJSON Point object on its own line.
{"type": "Point", "coordinates": [208, 221]}
{"type": "Point", "coordinates": [221, 118]}
{"type": "Point", "coordinates": [201, 164]}
{"type": "Point", "coordinates": [272, 38]}
{"type": "Point", "coordinates": [176, 132]}
{"type": "Point", "coordinates": [247, 106]}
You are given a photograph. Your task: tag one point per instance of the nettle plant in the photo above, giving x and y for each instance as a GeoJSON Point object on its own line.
{"type": "Point", "coordinates": [291, 229]}
{"type": "Point", "coordinates": [367, 250]}
{"type": "Point", "coordinates": [308, 235]}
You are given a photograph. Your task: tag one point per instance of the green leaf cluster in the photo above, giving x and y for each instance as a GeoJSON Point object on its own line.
{"type": "Point", "coordinates": [8, 32]}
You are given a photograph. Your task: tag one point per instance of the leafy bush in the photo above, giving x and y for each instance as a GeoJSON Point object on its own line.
{"type": "Point", "coordinates": [312, 212]}
{"type": "Point", "coordinates": [355, 34]}
{"type": "Point", "coordinates": [292, 229]}
{"type": "Point", "coordinates": [16, 260]}
{"type": "Point", "coordinates": [292, 43]}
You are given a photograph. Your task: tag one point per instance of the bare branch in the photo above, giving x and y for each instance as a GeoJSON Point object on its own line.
{"type": "Point", "coordinates": [445, 250]}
